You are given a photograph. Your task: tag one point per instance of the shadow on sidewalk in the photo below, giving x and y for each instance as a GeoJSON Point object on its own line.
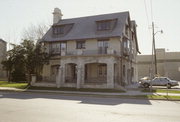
{"type": "Point", "coordinates": [82, 99]}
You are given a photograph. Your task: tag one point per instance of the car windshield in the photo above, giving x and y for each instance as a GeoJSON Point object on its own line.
{"type": "Point", "coordinates": [167, 79]}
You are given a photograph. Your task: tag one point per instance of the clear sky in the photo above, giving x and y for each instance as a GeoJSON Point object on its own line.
{"type": "Point", "coordinates": [15, 15]}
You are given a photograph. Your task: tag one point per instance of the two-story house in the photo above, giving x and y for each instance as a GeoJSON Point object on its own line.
{"type": "Point", "coordinates": [90, 52]}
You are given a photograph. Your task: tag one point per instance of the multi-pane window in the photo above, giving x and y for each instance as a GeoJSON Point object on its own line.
{"type": "Point", "coordinates": [102, 70]}
{"type": "Point", "coordinates": [126, 47]}
{"type": "Point", "coordinates": [63, 46]}
{"type": "Point", "coordinates": [126, 44]}
{"type": "Point", "coordinates": [55, 48]}
{"type": "Point", "coordinates": [80, 44]}
{"type": "Point", "coordinates": [102, 46]}
{"type": "Point", "coordinates": [103, 25]}
{"type": "Point", "coordinates": [58, 30]}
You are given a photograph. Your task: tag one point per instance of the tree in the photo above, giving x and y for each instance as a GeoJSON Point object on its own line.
{"type": "Point", "coordinates": [25, 59]}
{"type": "Point", "coordinates": [28, 57]}
{"type": "Point", "coordinates": [14, 64]}
{"type": "Point", "coordinates": [35, 32]}
{"type": "Point", "coordinates": [35, 57]}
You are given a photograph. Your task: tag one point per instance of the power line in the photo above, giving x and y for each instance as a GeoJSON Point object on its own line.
{"type": "Point", "coordinates": [146, 12]}
{"type": "Point", "coordinates": [152, 18]}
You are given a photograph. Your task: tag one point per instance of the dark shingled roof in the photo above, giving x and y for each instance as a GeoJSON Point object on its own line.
{"type": "Point", "coordinates": [85, 27]}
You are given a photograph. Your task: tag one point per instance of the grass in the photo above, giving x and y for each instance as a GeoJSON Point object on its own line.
{"type": "Point", "coordinates": [13, 85]}
{"type": "Point", "coordinates": [162, 91]}
{"type": "Point", "coordinates": [164, 97]}
{"type": "Point", "coordinates": [74, 89]}
{"type": "Point", "coordinates": [152, 97]}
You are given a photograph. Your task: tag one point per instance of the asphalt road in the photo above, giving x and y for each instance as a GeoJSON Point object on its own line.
{"type": "Point", "coordinates": [41, 107]}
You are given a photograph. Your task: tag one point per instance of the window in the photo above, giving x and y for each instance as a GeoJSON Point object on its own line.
{"type": "Point", "coordinates": [63, 46]}
{"type": "Point", "coordinates": [80, 44]}
{"type": "Point", "coordinates": [127, 30]}
{"type": "Point", "coordinates": [102, 70]}
{"type": "Point", "coordinates": [126, 47]}
{"type": "Point", "coordinates": [132, 71]}
{"type": "Point", "coordinates": [103, 25]}
{"type": "Point", "coordinates": [102, 46]}
{"type": "Point", "coordinates": [124, 70]}
{"type": "Point", "coordinates": [55, 48]}
{"type": "Point", "coordinates": [126, 44]}
{"type": "Point", "coordinates": [58, 30]}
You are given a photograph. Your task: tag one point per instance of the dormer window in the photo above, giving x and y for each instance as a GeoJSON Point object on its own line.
{"type": "Point", "coordinates": [106, 24]}
{"type": "Point", "coordinates": [62, 29]}
{"type": "Point", "coordinates": [103, 25]}
{"type": "Point", "coordinates": [58, 30]}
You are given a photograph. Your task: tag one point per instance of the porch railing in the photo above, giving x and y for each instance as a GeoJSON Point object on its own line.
{"type": "Point", "coordinates": [92, 52]}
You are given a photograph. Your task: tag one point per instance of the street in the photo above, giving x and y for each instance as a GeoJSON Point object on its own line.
{"type": "Point", "coordinates": [49, 107]}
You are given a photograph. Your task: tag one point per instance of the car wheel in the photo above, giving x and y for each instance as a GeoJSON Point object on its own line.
{"type": "Point", "coordinates": [146, 85]}
{"type": "Point", "coordinates": [168, 86]}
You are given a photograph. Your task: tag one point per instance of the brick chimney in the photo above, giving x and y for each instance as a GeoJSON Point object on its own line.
{"type": "Point", "coordinates": [57, 15]}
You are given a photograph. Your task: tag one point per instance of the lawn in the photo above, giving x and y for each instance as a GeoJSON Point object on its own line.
{"type": "Point", "coordinates": [162, 91]}
{"type": "Point", "coordinates": [13, 85]}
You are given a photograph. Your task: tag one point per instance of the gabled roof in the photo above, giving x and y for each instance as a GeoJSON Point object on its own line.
{"type": "Point", "coordinates": [133, 25]}
{"type": "Point", "coordinates": [85, 27]}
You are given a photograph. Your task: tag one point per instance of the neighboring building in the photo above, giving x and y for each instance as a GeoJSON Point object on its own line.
{"type": "Point", "coordinates": [2, 57]}
{"type": "Point", "coordinates": [168, 64]}
{"type": "Point", "coordinates": [91, 52]}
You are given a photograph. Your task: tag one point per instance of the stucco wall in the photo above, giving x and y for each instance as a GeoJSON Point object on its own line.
{"type": "Point", "coordinates": [46, 74]}
{"type": "Point", "coordinates": [115, 44]}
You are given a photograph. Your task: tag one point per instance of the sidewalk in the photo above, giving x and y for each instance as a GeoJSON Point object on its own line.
{"type": "Point", "coordinates": [128, 93]}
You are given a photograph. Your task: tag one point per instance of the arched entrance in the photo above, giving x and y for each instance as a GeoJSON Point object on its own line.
{"type": "Point", "coordinates": [96, 73]}
{"type": "Point", "coordinates": [71, 73]}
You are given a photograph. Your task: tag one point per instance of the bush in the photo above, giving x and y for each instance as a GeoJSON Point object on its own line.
{"type": "Point", "coordinates": [18, 76]}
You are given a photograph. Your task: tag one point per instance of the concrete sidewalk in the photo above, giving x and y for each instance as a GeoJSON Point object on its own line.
{"type": "Point", "coordinates": [128, 93]}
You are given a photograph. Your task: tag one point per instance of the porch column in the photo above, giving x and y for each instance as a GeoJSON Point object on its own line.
{"type": "Point", "coordinates": [61, 76]}
{"type": "Point", "coordinates": [80, 75]}
{"type": "Point", "coordinates": [110, 75]}
{"type": "Point", "coordinates": [58, 77]}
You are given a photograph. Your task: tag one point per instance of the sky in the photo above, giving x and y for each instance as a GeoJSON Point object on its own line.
{"type": "Point", "coordinates": [17, 15]}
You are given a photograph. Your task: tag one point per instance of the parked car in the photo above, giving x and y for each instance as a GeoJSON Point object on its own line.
{"type": "Point", "coordinates": [159, 81]}
{"type": "Point", "coordinates": [144, 79]}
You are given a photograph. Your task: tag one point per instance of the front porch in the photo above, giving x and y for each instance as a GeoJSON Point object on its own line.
{"type": "Point", "coordinates": [85, 72]}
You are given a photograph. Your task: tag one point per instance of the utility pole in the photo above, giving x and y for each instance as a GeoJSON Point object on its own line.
{"type": "Point", "coordinates": [154, 48]}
